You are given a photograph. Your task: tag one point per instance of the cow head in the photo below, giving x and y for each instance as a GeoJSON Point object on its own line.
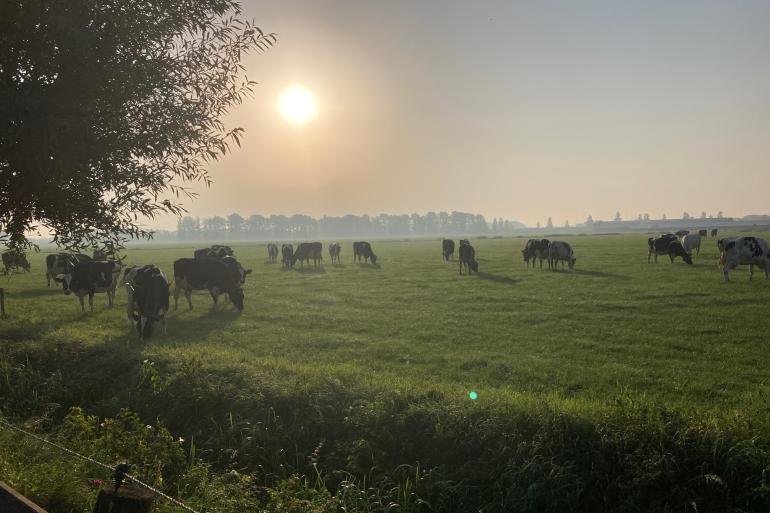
{"type": "Point", "coordinates": [687, 257]}
{"type": "Point", "coordinates": [144, 325]}
{"type": "Point", "coordinates": [374, 258]}
{"type": "Point", "coordinates": [66, 281]}
{"type": "Point", "coordinates": [236, 296]}
{"type": "Point", "coordinates": [572, 263]}
{"type": "Point", "coordinates": [474, 265]}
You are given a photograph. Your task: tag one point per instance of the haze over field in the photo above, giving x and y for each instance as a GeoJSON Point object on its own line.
{"type": "Point", "coordinates": [521, 111]}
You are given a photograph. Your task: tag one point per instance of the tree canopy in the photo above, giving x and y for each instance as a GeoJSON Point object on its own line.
{"type": "Point", "coordinates": [109, 108]}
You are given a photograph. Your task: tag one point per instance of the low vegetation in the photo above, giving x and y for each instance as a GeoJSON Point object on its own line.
{"type": "Point", "coordinates": [621, 386]}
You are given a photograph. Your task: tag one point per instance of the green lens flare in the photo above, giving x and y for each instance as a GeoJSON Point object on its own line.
{"type": "Point", "coordinates": [473, 395]}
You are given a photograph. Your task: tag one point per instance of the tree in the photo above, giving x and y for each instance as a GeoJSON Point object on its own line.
{"type": "Point", "coordinates": [566, 223]}
{"type": "Point", "coordinates": [664, 217]}
{"type": "Point", "coordinates": [685, 216]}
{"type": "Point", "coordinates": [235, 225]}
{"type": "Point", "coordinates": [549, 223]}
{"type": "Point", "coordinates": [110, 108]}
{"type": "Point", "coordinates": [639, 218]}
{"type": "Point", "coordinates": [617, 217]}
{"type": "Point", "coordinates": [538, 224]}
{"type": "Point", "coordinates": [590, 220]}
{"type": "Point", "coordinates": [720, 215]}
{"type": "Point", "coordinates": [703, 215]}
{"type": "Point", "coordinates": [646, 217]}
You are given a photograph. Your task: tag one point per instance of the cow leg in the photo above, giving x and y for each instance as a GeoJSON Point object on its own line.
{"type": "Point", "coordinates": [751, 271]}
{"type": "Point", "coordinates": [48, 279]}
{"type": "Point", "coordinates": [188, 295]}
{"type": "Point", "coordinates": [91, 302]}
{"type": "Point", "coordinates": [163, 325]}
{"type": "Point", "coordinates": [82, 304]}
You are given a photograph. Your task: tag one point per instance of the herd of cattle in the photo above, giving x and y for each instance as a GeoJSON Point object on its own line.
{"type": "Point", "coordinates": [216, 269]}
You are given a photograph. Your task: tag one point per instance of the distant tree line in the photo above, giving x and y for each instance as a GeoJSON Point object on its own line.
{"type": "Point", "coordinates": [259, 227]}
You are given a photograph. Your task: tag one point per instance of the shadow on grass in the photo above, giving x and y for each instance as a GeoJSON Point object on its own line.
{"type": "Point", "coordinates": [496, 278]}
{"type": "Point", "coordinates": [35, 292]}
{"type": "Point", "coordinates": [310, 270]}
{"type": "Point", "coordinates": [367, 265]}
{"type": "Point", "coordinates": [599, 274]}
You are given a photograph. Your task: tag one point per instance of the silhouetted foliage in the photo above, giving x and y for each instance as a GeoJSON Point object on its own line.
{"type": "Point", "coordinates": [108, 108]}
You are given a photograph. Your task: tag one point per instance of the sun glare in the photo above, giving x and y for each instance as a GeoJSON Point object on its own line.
{"type": "Point", "coordinates": [297, 105]}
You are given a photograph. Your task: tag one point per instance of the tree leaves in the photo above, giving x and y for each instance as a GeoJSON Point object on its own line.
{"type": "Point", "coordinates": [110, 107]}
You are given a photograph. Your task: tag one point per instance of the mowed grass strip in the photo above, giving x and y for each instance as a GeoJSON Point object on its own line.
{"type": "Point", "coordinates": [668, 333]}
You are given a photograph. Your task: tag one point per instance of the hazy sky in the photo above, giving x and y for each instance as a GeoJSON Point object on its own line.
{"type": "Point", "coordinates": [516, 109]}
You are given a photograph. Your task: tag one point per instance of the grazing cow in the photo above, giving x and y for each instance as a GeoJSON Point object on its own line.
{"type": "Point", "coordinates": [448, 249]}
{"type": "Point", "coordinates": [62, 263]}
{"type": "Point", "coordinates": [559, 251]}
{"type": "Point", "coordinates": [714, 232]}
{"type": "Point", "coordinates": [236, 269]}
{"type": "Point", "coordinates": [667, 245]}
{"type": "Point", "coordinates": [308, 251]}
{"type": "Point", "coordinates": [536, 249]}
{"type": "Point", "coordinates": [287, 252]}
{"type": "Point", "coordinates": [272, 253]}
{"type": "Point", "coordinates": [721, 243]}
{"type": "Point", "coordinates": [703, 233]}
{"type": "Point", "coordinates": [749, 251]}
{"type": "Point", "coordinates": [690, 242]}
{"type": "Point", "coordinates": [90, 277]}
{"type": "Point", "coordinates": [682, 233]}
{"type": "Point", "coordinates": [13, 259]}
{"type": "Point", "coordinates": [467, 257]}
{"type": "Point", "coordinates": [334, 252]}
{"type": "Point", "coordinates": [212, 274]}
{"type": "Point", "coordinates": [215, 251]}
{"type": "Point", "coordinates": [147, 290]}
{"type": "Point", "coordinates": [364, 250]}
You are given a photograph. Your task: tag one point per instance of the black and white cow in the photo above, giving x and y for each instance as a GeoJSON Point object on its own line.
{"type": "Point", "coordinates": [148, 292]}
{"type": "Point", "coordinates": [88, 278]}
{"type": "Point", "coordinates": [287, 252]}
{"type": "Point", "coordinates": [212, 274]}
{"type": "Point", "coordinates": [448, 249]}
{"type": "Point", "coordinates": [307, 251]}
{"type": "Point", "coordinates": [364, 250]}
{"type": "Point", "coordinates": [215, 251]}
{"type": "Point", "coordinates": [62, 263]}
{"type": "Point", "coordinates": [691, 242]}
{"type": "Point", "coordinates": [467, 257]}
{"type": "Point", "coordinates": [721, 243]}
{"type": "Point", "coordinates": [714, 232]}
{"type": "Point", "coordinates": [667, 245]}
{"type": "Point", "coordinates": [749, 251]}
{"type": "Point", "coordinates": [703, 233]}
{"type": "Point", "coordinates": [560, 251]}
{"type": "Point", "coordinates": [334, 252]}
{"type": "Point", "coordinates": [682, 233]}
{"type": "Point", "coordinates": [14, 260]}
{"type": "Point", "coordinates": [536, 249]}
{"type": "Point", "coordinates": [272, 253]}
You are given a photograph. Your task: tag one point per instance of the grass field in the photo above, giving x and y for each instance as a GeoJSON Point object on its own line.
{"type": "Point", "coordinates": [617, 333]}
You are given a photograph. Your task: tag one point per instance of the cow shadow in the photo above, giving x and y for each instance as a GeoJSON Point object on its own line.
{"type": "Point", "coordinates": [310, 270]}
{"type": "Point", "coordinates": [598, 274]}
{"type": "Point", "coordinates": [370, 266]}
{"type": "Point", "coordinates": [497, 278]}
{"type": "Point", "coordinates": [30, 293]}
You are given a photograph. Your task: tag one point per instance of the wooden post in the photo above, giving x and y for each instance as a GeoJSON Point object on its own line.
{"type": "Point", "coordinates": [129, 499]}
{"type": "Point", "coordinates": [2, 301]}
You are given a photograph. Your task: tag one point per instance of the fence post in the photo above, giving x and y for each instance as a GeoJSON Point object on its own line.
{"type": "Point", "coordinates": [129, 499]}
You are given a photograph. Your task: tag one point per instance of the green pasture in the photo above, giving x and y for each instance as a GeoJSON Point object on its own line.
{"type": "Point", "coordinates": [667, 332]}
{"type": "Point", "coordinates": [619, 386]}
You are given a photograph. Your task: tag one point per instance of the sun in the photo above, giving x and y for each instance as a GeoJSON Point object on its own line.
{"type": "Point", "coordinates": [297, 105]}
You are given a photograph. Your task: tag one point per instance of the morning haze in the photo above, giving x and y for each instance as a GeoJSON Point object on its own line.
{"type": "Point", "coordinates": [519, 110]}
